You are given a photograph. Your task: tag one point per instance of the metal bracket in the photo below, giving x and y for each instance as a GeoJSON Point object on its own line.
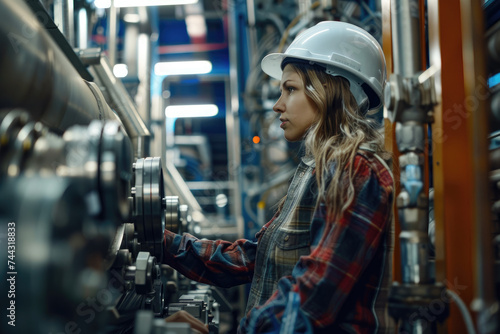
{"type": "Point", "coordinates": [410, 99]}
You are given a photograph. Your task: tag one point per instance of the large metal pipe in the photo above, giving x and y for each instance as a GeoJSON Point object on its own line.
{"type": "Point", "coordinates": [37, 76]}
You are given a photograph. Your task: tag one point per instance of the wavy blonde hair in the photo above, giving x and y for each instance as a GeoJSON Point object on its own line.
{"type": "Point", "coordinates": [336, 136]}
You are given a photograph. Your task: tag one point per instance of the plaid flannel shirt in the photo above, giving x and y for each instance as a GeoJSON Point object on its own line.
{"type": "Point", "coordinates": [308, 271]}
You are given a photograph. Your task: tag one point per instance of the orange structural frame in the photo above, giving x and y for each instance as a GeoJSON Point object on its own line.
{"type": "Point", "coordinates": [458, 158]}
{"type": "Point", "coordinates": [455, 158]}
{"type": "Point", "coordinates": [390, 138]}
{"type": "Point", "coordinates": [452, 170]}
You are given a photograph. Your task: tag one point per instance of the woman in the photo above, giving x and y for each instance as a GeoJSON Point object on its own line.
{"type": "Point", "coordinates": [323, 263]}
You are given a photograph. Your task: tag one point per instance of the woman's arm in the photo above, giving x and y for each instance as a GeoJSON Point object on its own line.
{"type": "Point", "coordinates": [218, 262]}
{"type": "Point", "coordinates": [340, 251]}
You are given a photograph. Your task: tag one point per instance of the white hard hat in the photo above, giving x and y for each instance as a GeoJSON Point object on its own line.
{"type": "Point", "coordinates": [343, 50]}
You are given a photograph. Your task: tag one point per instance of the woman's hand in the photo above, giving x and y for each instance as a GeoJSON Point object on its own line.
{"type": "Point", "coordinates": [182, 316]}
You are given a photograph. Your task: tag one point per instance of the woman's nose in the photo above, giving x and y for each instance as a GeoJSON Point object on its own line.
{"type": "Point", "coordinates": [278, 106]}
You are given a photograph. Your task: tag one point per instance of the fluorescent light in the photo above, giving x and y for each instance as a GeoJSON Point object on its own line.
{"type": "Point", "coordinates": [131, 18]}
{"type": "Point", "coordinates": [196, 26]}
{"type": "Point", "coordinates": [142, 3]}
{"type": "Point", "coordinates": [183, 67]}
{"type": "Point", "coordinates": [120, 70]}
{"type": "Point", "coordinates": [194, 110]}
{"type": "Point", "coordinates": [102, 3]}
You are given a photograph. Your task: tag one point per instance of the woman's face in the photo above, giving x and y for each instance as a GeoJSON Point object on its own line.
{"type": "Point", "coordinates": [297, 111]}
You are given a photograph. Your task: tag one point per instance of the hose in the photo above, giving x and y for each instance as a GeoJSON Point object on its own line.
{"type": "Point", "coordinates": [463, 309]}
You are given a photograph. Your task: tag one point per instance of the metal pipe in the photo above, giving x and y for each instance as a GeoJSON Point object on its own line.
{"type": "Point", "coordinates": [38, 77]}
{"type": "Point", "coordinates": [112, 31]}
{"type": "Point", "coordinates": [233, 117]}
{"type": "Point", "coordinates": [82, 29]}
{"type": "Point", "coordinates": [144, 73]}
{"type": "Point", "coordinates": [131, 48]}
{"type": "Point", "coordinates": [406, 37]}
{"type": "Point", "coordinates": [64, 19]}
{"type": "Point", "coordinates": [233, 124]}
{"type": "Point", "coordinates": [118, 98]}
{"type": "Point", "coordinates": [412, 200]}
{"type": "Point", "coordinates": [234, 154]}
{"type": "Point", "coordinates": [410, 96]}
{"type": "Point", "coordinates": [305, 10]}
{"type": "Point", "coordinates": [252, 32]}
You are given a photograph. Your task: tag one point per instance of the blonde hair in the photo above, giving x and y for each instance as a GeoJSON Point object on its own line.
{"type": "Point", "coordinates": [336, 136]}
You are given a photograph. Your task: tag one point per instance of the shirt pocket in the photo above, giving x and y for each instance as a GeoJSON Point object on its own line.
{"type": "Point", "coordinates": [290, 246]}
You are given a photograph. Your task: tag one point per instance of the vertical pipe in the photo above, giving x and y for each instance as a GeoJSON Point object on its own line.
{"type": "Point", "coordinates": [305, 9]}
{"type": "Point", "coordinates": [406, 37]}
{"type": "Point", "coordinates": [131, 49]}
{"type": "Point", "coordinates": [233, 117]}
{"type": "Point", "coordinates": [64, 19]}
{"type": "Point", "coordinates": [158, 129]}
{"type": "Point", "coordinates": [232, 121]}
{"type": "Point", "coordinates": [144, 73]}
{"type": "Point", "coordinates": [112, 32]}
{"type": "Point", "coordinates": [252, 33]}
{"type": "Point", "coordinates": [82, 29]}
{"type": "Point", "coordinates": [233, 149]}
{"type": "Point", "coordinates": [412, 199]}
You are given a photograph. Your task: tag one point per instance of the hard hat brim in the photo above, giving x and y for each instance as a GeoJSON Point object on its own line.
{"type": "Point", "coordinates": [271, 65]}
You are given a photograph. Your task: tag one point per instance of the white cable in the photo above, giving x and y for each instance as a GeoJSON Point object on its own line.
{"type": "Point", "coordinates": [465, 312]}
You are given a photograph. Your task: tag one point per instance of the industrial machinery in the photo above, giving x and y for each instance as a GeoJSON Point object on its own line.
{"type": "Point", "coordinates": [88, 178]}
{"type": "Point", "coordinates": [92, 251]}
{"type": "Point", "coordinates": [85, 211]}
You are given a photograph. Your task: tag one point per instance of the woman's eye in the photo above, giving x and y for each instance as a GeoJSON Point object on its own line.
{"type": "Point", "coordinates": [290, 89]}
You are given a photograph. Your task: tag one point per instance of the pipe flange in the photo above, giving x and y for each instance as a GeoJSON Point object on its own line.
{"type": "Point", "coordinates": [148, 213]}
{"type": "Point", "coordinates": [114, 171]}
{"type": "Point", "coordinates": [172, 213]}
{"type": "Point", "coordinates": [137, 197]}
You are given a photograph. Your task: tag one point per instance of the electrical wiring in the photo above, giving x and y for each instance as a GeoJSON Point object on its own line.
{"type": "Point", "coordinates": [292, 24]}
